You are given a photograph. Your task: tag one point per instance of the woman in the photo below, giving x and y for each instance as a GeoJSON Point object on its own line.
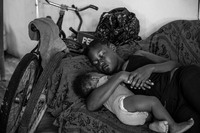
{"type": "Point", "coordinates": [178, 88]}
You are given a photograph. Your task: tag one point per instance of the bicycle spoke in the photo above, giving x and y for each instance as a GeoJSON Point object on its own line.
{"type": "Point", "coordinates": [20, 100]}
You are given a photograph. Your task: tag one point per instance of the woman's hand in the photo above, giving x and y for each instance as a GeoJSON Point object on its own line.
{"type": "Point", "coordinates": [147, 85]}
{"type": "Point", "coordinates": [140, 77]}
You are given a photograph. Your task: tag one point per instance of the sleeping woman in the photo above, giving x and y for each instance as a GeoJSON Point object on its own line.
{"type": "Point", "coordinates": [177, 87]}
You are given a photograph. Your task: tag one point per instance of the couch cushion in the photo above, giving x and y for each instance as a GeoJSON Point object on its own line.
{"type": "Point", "coordinates": [178, 40]}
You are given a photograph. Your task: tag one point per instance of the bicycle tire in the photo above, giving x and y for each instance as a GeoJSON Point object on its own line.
{"type": "Point", "coordinates": [37, 91]}
{"type": "Point", "coordinates": [17, 93]}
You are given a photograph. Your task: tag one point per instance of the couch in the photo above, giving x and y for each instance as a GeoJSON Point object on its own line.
{"type": "Point", "coordinates": [178, 40]}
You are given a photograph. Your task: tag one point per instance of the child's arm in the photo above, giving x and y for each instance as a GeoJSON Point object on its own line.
{"type": "Point", "coordinates": [101, 94]}
{"type": "Point", "coordinates": [140, 75]}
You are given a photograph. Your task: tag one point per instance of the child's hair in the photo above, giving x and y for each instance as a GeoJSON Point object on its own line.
{"type": "Point", "coordinates": [82, 85]}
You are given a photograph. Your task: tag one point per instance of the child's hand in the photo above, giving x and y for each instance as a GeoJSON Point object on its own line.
{"type": "Point", "coordinates": [124, 75]}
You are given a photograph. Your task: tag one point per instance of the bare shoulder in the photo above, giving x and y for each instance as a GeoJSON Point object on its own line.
{"type": "Point", "coordinates": [151, 56]}
{"type": "Point", "coordinates": [140, 52]}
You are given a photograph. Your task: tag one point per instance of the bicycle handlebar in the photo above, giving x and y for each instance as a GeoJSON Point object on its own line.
{"type": "Point", "coordinates": [72, 8]}
{"type": "Point", "coordinates": [89, 6]}
{"type": "Point", "coordinates": [75, 9]}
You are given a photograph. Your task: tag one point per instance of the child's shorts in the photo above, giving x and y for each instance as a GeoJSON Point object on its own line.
{"type": "Point", "coordinates": [129, 118]}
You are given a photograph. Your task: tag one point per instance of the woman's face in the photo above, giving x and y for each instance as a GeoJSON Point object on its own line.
{"type": "Point", "coordinates": [103, 58]}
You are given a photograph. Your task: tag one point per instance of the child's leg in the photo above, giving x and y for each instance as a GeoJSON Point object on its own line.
{"type": "Point", "coordinates": [149, 104]}
{"type": "Point", "coordinates": [152, 104]}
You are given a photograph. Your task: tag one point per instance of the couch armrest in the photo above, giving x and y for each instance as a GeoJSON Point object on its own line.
{"type": "Point", "coordinates": [178, 40]}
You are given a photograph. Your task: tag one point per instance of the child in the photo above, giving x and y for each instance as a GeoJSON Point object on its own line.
{"type": "Point", "coordinates": [129, 108]}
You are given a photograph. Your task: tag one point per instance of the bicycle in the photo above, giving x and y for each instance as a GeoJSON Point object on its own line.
{"type": "Point", "coordinates": [24, 101]}
{"type": "Point", "coordinates": [78, 40]}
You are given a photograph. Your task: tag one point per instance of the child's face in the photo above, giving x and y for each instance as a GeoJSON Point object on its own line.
{"type": "Point", "coordinates": [103, 58]}
{"type": "Point", "coordinates": [95, 79]}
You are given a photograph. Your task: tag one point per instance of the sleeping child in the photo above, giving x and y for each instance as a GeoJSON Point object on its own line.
{"type": "Point", "coordinates": [130, 109]}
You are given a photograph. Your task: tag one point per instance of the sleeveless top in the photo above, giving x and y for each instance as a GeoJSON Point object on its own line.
{"type": "Point", "coordinates": [164, 89]}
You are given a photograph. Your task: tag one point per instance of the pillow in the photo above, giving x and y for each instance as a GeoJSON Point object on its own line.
{"type": "Point", "coordinates": [128, 49]}
{"type": "Point", "coordinates": [118, 26]}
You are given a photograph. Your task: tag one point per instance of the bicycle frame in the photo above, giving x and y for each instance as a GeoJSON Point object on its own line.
{"type": "Point", "coordinates": [80, 38]}
{"type": "Point", "coordinates": [75, 9]}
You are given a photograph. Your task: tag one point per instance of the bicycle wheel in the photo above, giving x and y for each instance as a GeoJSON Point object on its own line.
{"type": "Point", "coordinates": [36, 105]}
{"type": "Point", "coordinates": [38, 112]}
{"type": "Point", "coordinates": [18, 92]}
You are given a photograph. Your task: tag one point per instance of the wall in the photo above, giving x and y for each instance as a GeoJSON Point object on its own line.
{"type": "Point", "coordinates": [151, 13]}
{"type": "Point", "coordinates": [17, 15]}
{"type": "Point", "coordinates": [154, 13]}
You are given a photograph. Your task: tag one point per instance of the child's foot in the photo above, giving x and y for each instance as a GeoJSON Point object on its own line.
{"type": "Point", "coordinates": [159, 126]}
{"type": "Point", "coordinates": [182, 127]}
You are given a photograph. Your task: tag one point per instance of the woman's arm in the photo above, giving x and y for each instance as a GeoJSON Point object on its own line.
{"type": "Point", "coordinates": [162, 64]}
{"type": "Point", "coordinates": [138, 77]}
{"type": "Point", "coordinates": [101, 94]}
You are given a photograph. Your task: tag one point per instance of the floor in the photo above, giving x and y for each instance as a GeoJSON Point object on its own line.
{"type": "Point", "coordinates": [10, 65]}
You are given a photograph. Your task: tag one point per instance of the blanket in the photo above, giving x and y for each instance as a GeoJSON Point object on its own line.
{"type": "Point", "coordinates": [70, 110]}
{"type": "Point", "coordinates": [178, 40]}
